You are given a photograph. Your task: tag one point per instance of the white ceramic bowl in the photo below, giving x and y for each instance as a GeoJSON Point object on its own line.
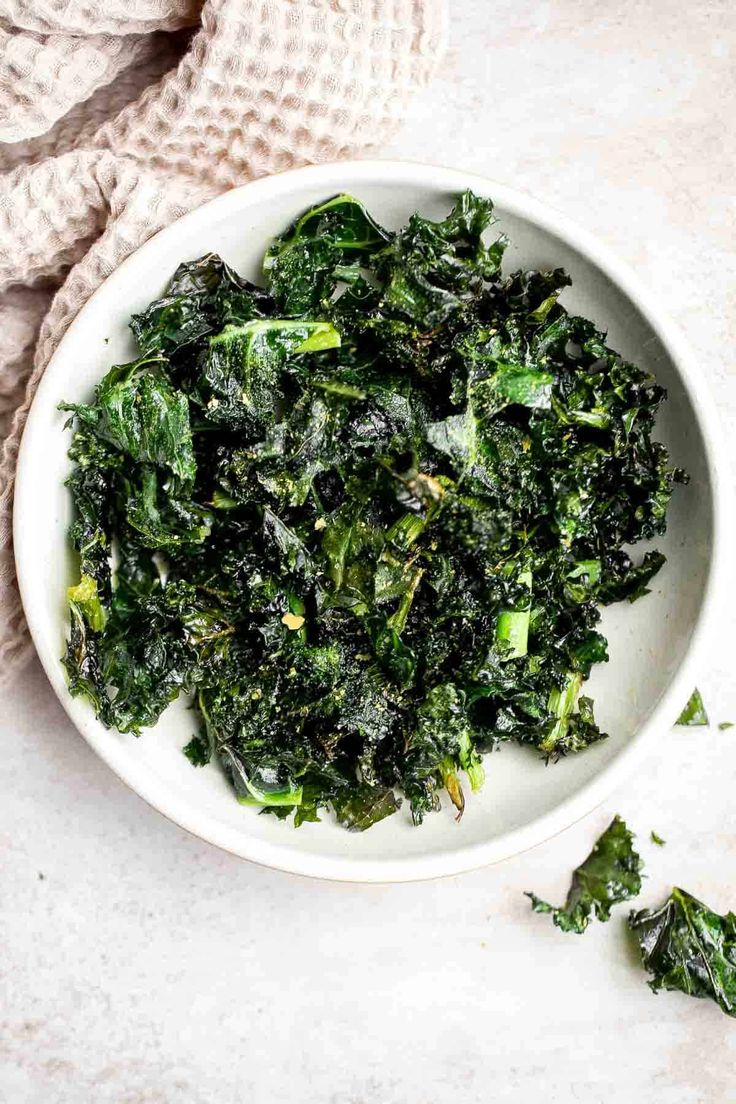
{"type": "Point", "coordinates": [653, 643]}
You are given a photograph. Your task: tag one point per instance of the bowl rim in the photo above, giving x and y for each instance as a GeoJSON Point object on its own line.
{"type": "Point", "coordinates": [282, 856]}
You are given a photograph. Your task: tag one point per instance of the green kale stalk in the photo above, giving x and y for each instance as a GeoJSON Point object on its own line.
{"type": "Point", "coordinates": [365, 516]}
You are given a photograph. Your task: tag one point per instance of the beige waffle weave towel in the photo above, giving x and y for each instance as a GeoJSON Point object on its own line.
{"type": "Point", "coordinates": [111, 128]}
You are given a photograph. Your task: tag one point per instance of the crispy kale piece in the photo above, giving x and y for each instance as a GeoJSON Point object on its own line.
{"type": "Point", "coordinates": [326, 244]}
{"type": "Point", "coordinates": [432, 270]}
{"type": "Point", "coordinates": [362, 806]}
{"type": "Point", "coordinates": [203, 296]}
{"type": "Point", "coordinates": [139, 413]}
{"type": "Point", "coordinates": [688, 947]}
{"type": "Point", "coordinates": [610, 874]}
{"type": "Point", "coordinates": [365, 516]}
{"type": "Point", "coordinates": [694, 712]}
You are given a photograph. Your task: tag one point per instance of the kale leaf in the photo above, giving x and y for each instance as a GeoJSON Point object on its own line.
{"type": "Point", "coordinates": [694, 712]}
{"type": "Point", "coordinates": [365, 516]}
{"type": "Point", "coordinates": [610, 874]}
{"type": "Point", "coordinates": [362, 806]}
{"type": "Point", "coordinates": [326, 244]}
{"type": "Point", "coordinates": [202, 297]}
{"type": "Point", "coordinates": [688, 947]}
{"type": "Point", "coordinates": [431, 270]}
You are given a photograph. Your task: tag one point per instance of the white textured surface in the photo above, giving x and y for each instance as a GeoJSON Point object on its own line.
{"type": "Point", "coordinates": [148, 968]}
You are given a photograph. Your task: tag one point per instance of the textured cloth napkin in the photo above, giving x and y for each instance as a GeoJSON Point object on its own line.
{"type": "Point", "coordinates": [116, 117]}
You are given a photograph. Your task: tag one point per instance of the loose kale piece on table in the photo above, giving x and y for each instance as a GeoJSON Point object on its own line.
{"type": "Point", "coordinates": [610, 874]}
{"type": "Point", "coordinates": [694, 712]}
{"type": "Point", "coordinates": [688, 947]}
{"type": "Point", "coordinates": [366, 516]}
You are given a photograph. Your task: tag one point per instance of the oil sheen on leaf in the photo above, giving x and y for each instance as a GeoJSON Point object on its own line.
{"type": "Point", "coordinates": [610, 874]}
{"type": "Point", "coordinates": [688, 947]}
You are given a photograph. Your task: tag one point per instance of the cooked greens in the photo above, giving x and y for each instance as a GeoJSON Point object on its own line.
{"type": "Point", "coordinates": [610, 874]}
{"type": "Point", "coordinates": [365, 516]}
{"type": "Point", "coordinates": [686, 946]}
{"type": "Point", "coordinates": [694, 712]}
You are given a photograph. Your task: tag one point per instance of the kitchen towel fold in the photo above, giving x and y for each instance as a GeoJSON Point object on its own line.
{"type": "Point", "coordinates": [118, 117]}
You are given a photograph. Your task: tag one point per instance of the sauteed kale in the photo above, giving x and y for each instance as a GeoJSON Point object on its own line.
{"type": "Point", "coordinates": [610, 874]}
{"type": "Point", "coordinates": [688, 947]}
{"type": "Point", "coordinates": [367, 515]}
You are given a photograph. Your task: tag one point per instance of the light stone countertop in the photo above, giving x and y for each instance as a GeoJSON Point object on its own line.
{"type": "Point", "coordinates": [141, 966]}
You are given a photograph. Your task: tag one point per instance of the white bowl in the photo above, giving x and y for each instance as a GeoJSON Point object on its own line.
{"type": "Point", "coordinates": [653, 643]}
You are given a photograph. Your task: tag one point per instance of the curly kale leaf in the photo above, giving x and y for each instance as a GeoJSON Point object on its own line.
{"type": "Point", "coordinates": [611, 874]}
{"type": "Point", "coordinates": [202, 297]}
{"type": "Point", "coordinates": [162, 515]}
{"type": "Point", "coordinates": [244, 365]}
{"type": "Point", "coordinates": [432, 270]}
{"type": "Point", "coordinates": [139, 412]}
{"type": "Point", "coordinates": [362, 806]}
{"type": "Point", "coordinates": [327, 243]}
{"type": "Point", "coordinates": [198, 751]}
{"type": "Point", "coordinates": [92, 483]}
{"type": "Point", "coordinates": [82, 659]}
{"type": "Point", "coordinates": [85, 601]}
{"type": "Point", "coordinates": [688, 947]}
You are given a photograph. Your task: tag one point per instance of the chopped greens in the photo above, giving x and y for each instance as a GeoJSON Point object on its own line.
{"type": "Point", "coordinates": [686, 946]}
{"type": "Point", "coordinates": [610, 874]}
{"type": "Point", "coordinates": [366, 517]}
{"type": "Point", "coordinates": [724, 725]}
{"type": "Point", "coordinates": [694, 712]}
{"type": "Point", "coordinates": [657, 839]}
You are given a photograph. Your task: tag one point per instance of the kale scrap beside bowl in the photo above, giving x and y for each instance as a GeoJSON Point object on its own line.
{"type": "Point", "coordinates": [366, 515]}
{"type": "Point", "coordinates": [688, 947]}
{"type": "Point", "coordinates": [610, 874]}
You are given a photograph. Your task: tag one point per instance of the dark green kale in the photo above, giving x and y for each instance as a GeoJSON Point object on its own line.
{"type": "Point", "coordinates": [694, 712]}
{"type": "Point", "coordinates": [359, 807]}
{"type": "Point", "coordinates": [687, 947]}
{"type": "Point", "coordinates": [365, 517]}
{"type": "Point", "coordinates": [432, 270]}
{"type": "Point", "coordinates": [610, 874]}
{"type": "Point", "coordinates": [202, 297]}
{"type": "Point", "coordinates": [328, 243]}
